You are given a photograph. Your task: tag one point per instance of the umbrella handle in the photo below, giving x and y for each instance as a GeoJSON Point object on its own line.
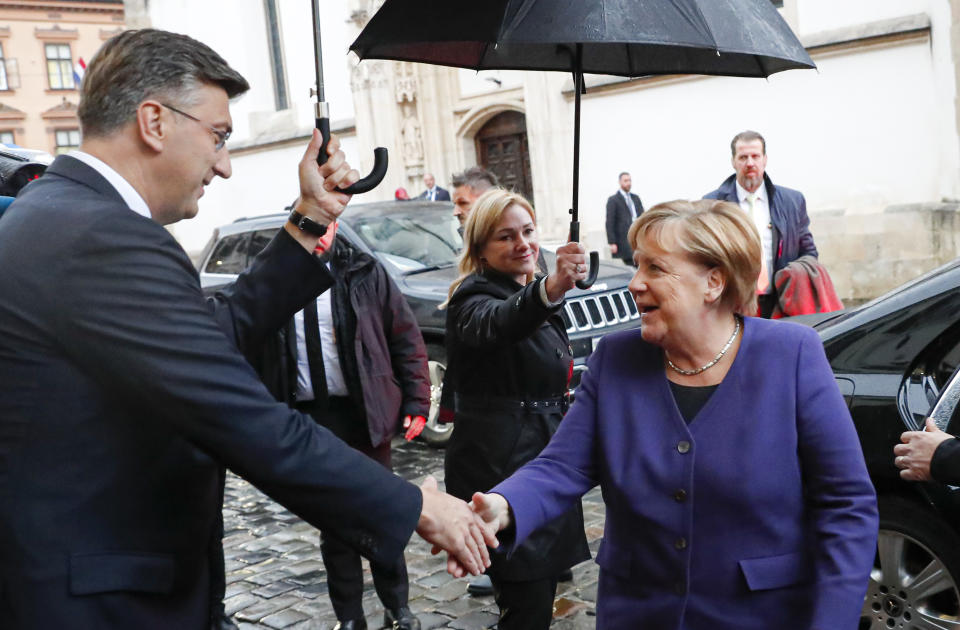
{"type": "Point", "coordinates": [369, 182]}
{"type": "Point", "coordinates": [594, 258]}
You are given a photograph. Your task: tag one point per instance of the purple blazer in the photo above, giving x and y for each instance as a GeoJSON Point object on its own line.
{"type": "Point", "coordinates": [759, 514]}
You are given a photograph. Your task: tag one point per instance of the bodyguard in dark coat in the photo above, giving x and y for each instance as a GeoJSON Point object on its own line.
{"type": "Point", "coordinates": [360, 386]}
{"type": "Point", "coordinates": [374, 326]}
{"type": "Point", "coordinates": [512, 363]}
{"type": "Point", "coordinates": [779, 213]}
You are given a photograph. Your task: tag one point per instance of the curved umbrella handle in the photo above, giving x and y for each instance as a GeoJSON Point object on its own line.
{"type": "Point", "coordinates": [592, 273]}
{"type": "Point", "coordinates": [594, 259]}
{"type": "Point", "coordinates": [369, 182]}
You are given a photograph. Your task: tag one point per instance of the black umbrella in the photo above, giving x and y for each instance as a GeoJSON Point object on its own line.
{"type": "Point", "coordinates": [746, 38]}
{"type": "Point", "coordinates": [323, 121]}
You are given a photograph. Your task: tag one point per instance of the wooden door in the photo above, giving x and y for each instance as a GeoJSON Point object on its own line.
{"type": "Point", "coordinates": [502, 149]}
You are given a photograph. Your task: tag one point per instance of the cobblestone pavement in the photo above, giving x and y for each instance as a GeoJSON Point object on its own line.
{"type": "Point", "coordinates": [276, 579]}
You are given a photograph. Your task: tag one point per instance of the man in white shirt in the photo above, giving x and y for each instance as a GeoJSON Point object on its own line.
{"type": "Point", "coordinates": [433, 192]}
{"type": "Point", "coordinates": [779, 213]}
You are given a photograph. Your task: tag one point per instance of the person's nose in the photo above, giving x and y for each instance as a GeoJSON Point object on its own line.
{"type": "Point", "coordinates": [523, 243]}
{"type": "Point", "coordinates": [638, 283]}
{"type": "Point", "coordinates": [222, 166]}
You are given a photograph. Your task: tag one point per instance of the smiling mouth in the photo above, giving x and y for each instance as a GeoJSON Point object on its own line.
{"type": "Point", "coordinates": [648, 309]}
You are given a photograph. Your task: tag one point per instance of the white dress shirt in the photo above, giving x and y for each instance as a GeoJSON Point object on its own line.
{"type": "Point", "coordinates": [630, 206]}
{"type": "Point", "coordinates": [336, 383]}
{"type": "Point", "coordinates": [761, 218]}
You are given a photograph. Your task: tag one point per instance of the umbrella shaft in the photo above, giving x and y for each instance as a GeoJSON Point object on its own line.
{"type": "Point", "coordinates": [318, 51]}
{"type": "Point", "coordinates": [578, 77]}
{"type": "Point", "coordinates": [577, 88]}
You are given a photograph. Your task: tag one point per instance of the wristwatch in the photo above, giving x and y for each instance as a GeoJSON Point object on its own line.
{"type": "Point", "coordinates": [307, 224]}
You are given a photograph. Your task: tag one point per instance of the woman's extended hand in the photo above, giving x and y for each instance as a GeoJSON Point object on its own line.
{"type": "Point", "coordinates": [492, 508]}
{"type": "Point", "coordinates": [571, 266]}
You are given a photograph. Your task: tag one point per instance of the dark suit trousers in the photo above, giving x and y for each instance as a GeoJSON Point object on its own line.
{"type": "Point", "coordinates": [344, 569]}
{"type": "Point", "coordinates": [524, 605]}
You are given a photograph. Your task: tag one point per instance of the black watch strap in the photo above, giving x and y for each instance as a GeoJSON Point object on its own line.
{"type": "Point", "coordinates": [307, 224]}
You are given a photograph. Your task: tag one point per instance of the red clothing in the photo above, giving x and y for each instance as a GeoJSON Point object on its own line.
{"type": "Point", "coordinates": [804, 287]}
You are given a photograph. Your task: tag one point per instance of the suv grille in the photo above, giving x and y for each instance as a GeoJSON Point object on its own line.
{"type": "Point", "coordinates": [591, 312]}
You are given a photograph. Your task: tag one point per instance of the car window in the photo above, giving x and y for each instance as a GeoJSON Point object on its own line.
{"type": "Point", "coordinates": [411, 241]}
{"type": "Point", "coordinates": [925, 382]}
{"type": "Point", "coordinates": [947, 365]}
{"type": "Point", "coordinates": [230, 255]}
{"type": "Point", "coordinates": [259, 240]}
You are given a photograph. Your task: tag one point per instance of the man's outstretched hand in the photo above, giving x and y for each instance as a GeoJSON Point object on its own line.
{"type": "Point", "coordinates": [449, 524]}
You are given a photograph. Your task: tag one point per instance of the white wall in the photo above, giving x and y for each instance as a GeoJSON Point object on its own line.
{"type": "Point", "coordinates": [871, 128]}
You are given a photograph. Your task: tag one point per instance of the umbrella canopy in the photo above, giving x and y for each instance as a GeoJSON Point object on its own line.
{"type": "Point", "coordinates": [746, 38]}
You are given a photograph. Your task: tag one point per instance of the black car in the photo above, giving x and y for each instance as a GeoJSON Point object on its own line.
{"type": "Point", "coordinates": [418, 243]}
{"type": "Point", "coordinates": [893, 359]}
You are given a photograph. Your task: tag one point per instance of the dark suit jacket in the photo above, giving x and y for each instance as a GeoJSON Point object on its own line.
{"type": "Point", "coordinates": [788, 214]}
{"type": "Point", "coordinates": [122, 393]}
{"type": "Point", "coordinates": [442, 194]}
{"type": "Point", "coordinates": [757, 514]}
{"type": "Point", "coordinates": [619, 220]}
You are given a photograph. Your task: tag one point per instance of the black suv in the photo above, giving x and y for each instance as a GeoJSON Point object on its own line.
{"type": "Point", "coordinates": [894, 359]}
{"type": "Point", "coordinates": [418, 243]}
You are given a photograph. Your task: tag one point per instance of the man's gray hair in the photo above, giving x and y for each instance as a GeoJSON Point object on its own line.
{"type": "Point", "coordinates": [747, 136]}
{"type": "Point", "coordinates": [137, 65]}
{"type": "Point", "coordinates": [477, 178]}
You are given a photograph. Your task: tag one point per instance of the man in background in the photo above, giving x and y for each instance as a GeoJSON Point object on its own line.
{"type": "Point", "coordinates": [433, 192]}
{"type": "Point", "coordinates": [622, 208]}
{"type": "Point", "coordinates": [354, 360]}
{"type": "Point", "coordinates": [467, 186]}
{"type": "Point", "coordinates": [779, 213]}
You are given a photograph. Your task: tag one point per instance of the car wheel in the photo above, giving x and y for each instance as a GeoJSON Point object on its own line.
{"type": "Point", "coordinates": [915, 577]}
{"type": "Point", "coordinates": [434, 433]}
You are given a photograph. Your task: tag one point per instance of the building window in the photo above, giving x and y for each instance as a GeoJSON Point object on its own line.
{"type": "Point", "coordinates": [274, 39]}
{"type": "Point", "coordinates": [67, 140]}
{"type": "Point", "coordinates": [59, 66]}
{"type": "Point", "coordinates": [6, 137]}
{"type": "Point", "coordinates": [3, 70]}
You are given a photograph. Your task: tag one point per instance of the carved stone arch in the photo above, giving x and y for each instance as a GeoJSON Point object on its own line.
{"type": "Point", "coordinates": [496, 135]}
{"type": "Point", "coordinates": [474, 119]}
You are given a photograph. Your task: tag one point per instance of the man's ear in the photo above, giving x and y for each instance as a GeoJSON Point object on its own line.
{"type": "Point", "coordinates": [151, 126]}
{"type": "Point", "coordinates": [716, 283]}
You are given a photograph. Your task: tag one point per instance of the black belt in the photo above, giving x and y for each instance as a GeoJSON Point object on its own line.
{"type": "Point", "coordinates": [496, 403]}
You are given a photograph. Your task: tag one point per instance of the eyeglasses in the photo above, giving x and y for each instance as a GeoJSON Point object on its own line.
{"type": "Point", "coordinates": [222, 136]}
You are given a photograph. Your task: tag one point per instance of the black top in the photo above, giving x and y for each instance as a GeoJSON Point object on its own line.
{"type": "Point", "coordinates": [691, 399]}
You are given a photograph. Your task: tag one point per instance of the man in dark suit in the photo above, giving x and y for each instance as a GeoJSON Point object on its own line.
{"type": "Point", "coordinates": [123, 393]}
{"type": "Point", "coordinates": [779, 213]}
{"type": "Point", "coordinates": [622, 208]}
{"type": "Point", "coordinates": [433, 192]}
{"type": "Point", "coordinates": [355, 361]}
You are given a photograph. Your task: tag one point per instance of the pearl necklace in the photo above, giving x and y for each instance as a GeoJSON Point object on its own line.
{"type": "Point", "coordinates": [715, 359]}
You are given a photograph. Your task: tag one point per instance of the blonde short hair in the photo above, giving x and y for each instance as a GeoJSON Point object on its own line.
{"type": "Point", "coordinates": [481, 223]}
{"type": "Point", "coordinates": [712, 233]}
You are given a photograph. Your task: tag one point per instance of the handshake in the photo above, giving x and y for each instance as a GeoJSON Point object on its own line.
{"type": "Point", "coordinates": [463, 530]}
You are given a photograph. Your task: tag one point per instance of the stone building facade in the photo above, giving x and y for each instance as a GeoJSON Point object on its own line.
{"type": "Point", "coordinates": [41, 43]}
{"type": "Point", "coordinates": [870, 137]}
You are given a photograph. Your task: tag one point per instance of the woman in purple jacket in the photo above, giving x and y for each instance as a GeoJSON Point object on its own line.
{"type": "Point", "coordinates": [736, 492]}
